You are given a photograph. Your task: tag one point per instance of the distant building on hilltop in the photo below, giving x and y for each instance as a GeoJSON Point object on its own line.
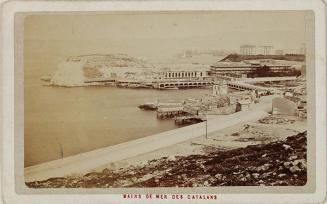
{"type": "Point", "coordinates": [248, 49]}
{"type": "Point", "coordinates": [265, 50]}
{"type": "Point", "coordinates": [256, 50]}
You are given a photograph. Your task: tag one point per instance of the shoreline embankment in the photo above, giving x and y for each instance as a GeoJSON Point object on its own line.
{"type": "Point", "coordinates": [88, 161]}
{"type": "Point", "coordinates": [277, 163]}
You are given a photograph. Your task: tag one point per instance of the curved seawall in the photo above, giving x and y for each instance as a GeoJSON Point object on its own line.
{"type": "Point", "coordinates": [88, 161]}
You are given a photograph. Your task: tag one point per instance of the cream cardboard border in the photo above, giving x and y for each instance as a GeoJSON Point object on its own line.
{"type": "Point", "coordinates": [12, 86]}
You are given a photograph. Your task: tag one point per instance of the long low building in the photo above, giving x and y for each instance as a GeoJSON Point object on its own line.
{"type": "Point", "coordinates": [182, 74]}
{"type": "Point", "coordinates": [187, 77]}
{"type": "Point", "coordinates": [168, 84]}
{"type": "Point", "coordinates": [239, 69]}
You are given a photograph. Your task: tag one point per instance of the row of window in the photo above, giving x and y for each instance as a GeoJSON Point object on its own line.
{"type": "Point", "coordinates": [182, 74]}
{"type": "Point", "coordinates": [186, 84]}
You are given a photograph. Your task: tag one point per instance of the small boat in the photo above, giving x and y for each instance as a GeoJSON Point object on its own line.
{"type": "Point", "coordinates": [188, 120]}
{"type": "Point", "coordinates": [148, 106]}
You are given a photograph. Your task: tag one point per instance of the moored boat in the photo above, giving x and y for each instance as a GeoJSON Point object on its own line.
{"type": "Point", "coordinates": [148, 106]}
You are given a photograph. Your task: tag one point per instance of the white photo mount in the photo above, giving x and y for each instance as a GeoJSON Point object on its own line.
{"type": "Point", "coordinates": [12, 104]}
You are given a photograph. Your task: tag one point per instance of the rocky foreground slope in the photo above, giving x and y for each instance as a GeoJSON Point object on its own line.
{"type": "Point", "coordinates": [278, 163]}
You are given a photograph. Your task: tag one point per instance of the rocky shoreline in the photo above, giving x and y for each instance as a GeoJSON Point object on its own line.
{"type": "Point", "coordinates": [279, 163]}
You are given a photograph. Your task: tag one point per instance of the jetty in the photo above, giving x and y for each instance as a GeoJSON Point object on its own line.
{"type": "Point", "coordinates": [244, 84]}
{"type": "Point", "coordinates": [170, 112]}
{"type": "Point", "coordinates": [238, 85]}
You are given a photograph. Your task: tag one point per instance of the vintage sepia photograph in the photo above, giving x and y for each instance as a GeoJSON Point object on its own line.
{"type": "Point", "coordinates": [166, 99]}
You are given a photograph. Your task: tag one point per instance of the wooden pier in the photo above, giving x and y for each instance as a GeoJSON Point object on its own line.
{"type": "Point", "coordinates": [244, 84]}
{"type": "Point", "coordinates": [247, 87]}
{"type": "Point", "coordinates": [170, 112]}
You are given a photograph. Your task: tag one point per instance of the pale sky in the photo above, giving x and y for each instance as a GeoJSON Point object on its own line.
{"type": "Point", "coordinates": [154, 34]}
